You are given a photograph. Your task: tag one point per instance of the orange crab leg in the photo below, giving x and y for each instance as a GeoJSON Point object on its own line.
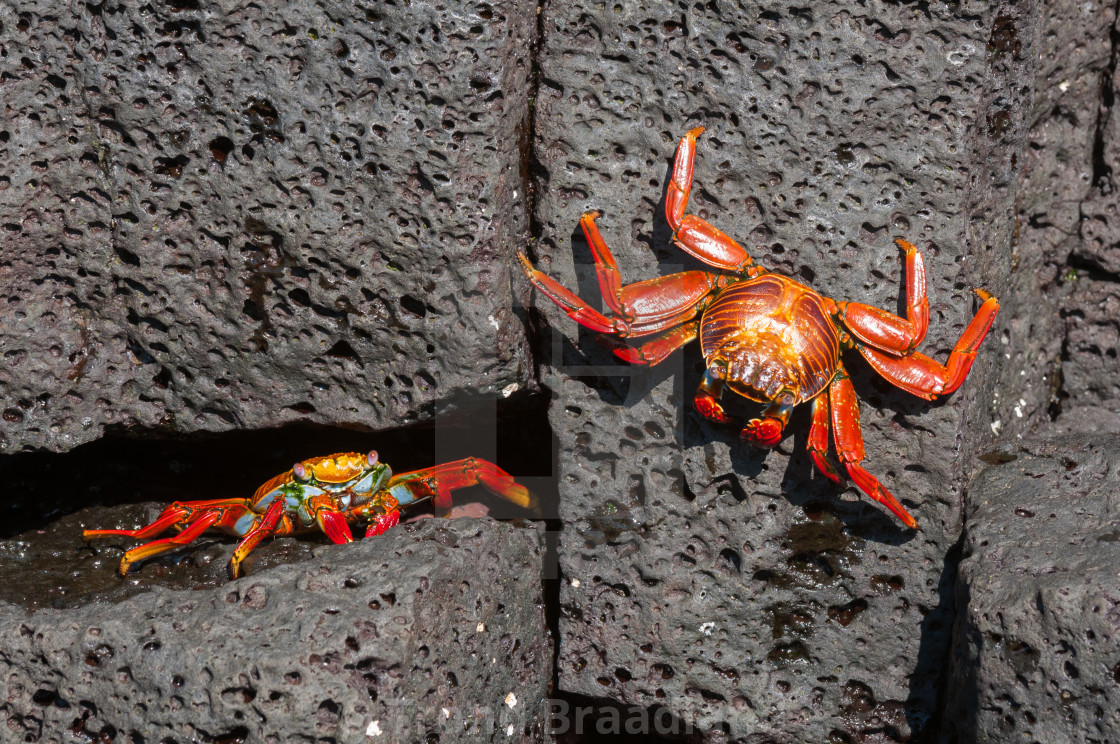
{"type": "Point", "coordinates": [439, 481]}
{"type": "Point", "coordinates": [642, 303]}
{"type": "Point", "coordinates": [887, 331]}
{"type": "Point", "coordinates": [570, 302]}
{"type": "Point", "coordinates": [204, 522]}
{"type": "Point", "coordinates": [606, 268]}
{"type": "Point", "coordinates": [818, 438]}
{"type": "Point", "coordinates": [695, 236]}
{"type": "Point", "coordinates": [927, 378]}
{"type": "Point", "coordinates": [647, 307]}
{"type": "Point", "coordinates": [849, 445]}
{"type": "Point", "coordinates": [267, 526]}
{"type": "Point", "coordinates": [654, 351]}
{"type": "Point", "coordinates": [174, 514]}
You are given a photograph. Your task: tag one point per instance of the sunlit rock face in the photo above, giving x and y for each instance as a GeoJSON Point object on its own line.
{"type": "Point", "coordinates": [218, 216]}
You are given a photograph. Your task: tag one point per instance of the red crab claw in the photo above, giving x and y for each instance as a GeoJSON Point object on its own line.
{"type": "Point", "coordinates": [330, 520]}
{"type": "Point", "coordinates": [765, 432]}
{"type": "Point", "coordinates": [383, 522]}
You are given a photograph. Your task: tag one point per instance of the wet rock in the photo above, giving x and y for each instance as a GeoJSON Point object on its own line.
{"type": "Point", "coordinates": [219, 216]}
{"type": "Point", "coordinates": [729, 584]}
{"type": "Point", "coordinates": [431, 629]}
{"type": "Point", "coordinates": [1035, 654]}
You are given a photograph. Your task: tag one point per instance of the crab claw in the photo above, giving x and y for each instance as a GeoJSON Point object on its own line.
{"type": "Point", "coordinates": [383, 522]}
{"type": "Point", "coordinates": [335, 526]}
{"type": "Point", "coordinates": [765, 432]}
{"type": "Point", "coordinates": [371, 458]}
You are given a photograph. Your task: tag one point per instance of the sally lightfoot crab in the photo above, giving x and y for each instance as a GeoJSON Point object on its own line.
{"type": "Point", "coordinates": [767, 337]}
{"type": "Point", "coordinates": [328, 493]}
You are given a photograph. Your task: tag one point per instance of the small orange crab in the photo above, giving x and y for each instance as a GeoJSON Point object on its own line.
{"type": "Point", "coordinates": [767, 337]}
{"type": "Point", "coordinates": [325, 492]}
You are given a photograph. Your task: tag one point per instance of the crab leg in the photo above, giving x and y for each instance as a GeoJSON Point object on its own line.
{"type": "Point", "coordinates": [927, 378]}
{"type": "Point", "coordinates": [818, 438]}
{"type": "Point", "coordinates": [204, 522]}
{"type": "Point", "coordinates": [570, 302]}
{"type": "Point", "coordinates": [438, 482]}
{"type": "Point", "coordinates": [885, 330]}
{"type": "Point", "coordinates": [695, 236]}
{"type": "Point", "coordinates": [645, 307]}
{"type": "Point", "coordinates": [849, 445]}
{"type": "Point", "coordinates": [264, 528]}
{"type": "Point", "coordinates": [654, 351]}
{"type": "Point", "coordinates": [174, 514]}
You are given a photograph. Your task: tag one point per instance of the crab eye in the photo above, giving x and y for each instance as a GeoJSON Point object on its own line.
{"type": "Point", "coordinates": [299, 471]}
{"type": "Point", "coordinates": [371, 458]}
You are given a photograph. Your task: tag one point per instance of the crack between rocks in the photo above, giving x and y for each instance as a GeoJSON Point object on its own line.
{"type": "Point", "coordinates": [534, 323]}
{"type": "Point", "coordinates": [534, 331]}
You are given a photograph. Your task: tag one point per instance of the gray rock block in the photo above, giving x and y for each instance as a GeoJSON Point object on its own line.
{"type": "Point", "coordinates": [432, 629]}
{"type": "Point", "coordinates": [1035, 654]}
{"type": "Point", "coordinates": [216, 216]}
{"type": "Point", "coordinates": [728, 584]}
{"type": "Point", "coordinates": [1067, 235]}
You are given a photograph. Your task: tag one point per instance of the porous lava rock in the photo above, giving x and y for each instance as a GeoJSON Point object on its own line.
{"type": "Point", "coordinates": [217, 216]}
{"type": "Point", "coordinates": [1035, 653]}
{"type": "Point", "coordinates": [731, 585]}
{"type": "Point", "coordinates": [1066, 251]}
{"type": "Point", "coordinates": [428, 631]}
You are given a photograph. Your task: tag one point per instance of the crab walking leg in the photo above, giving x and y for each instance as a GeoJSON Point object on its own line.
{"type": "Point", "coordinates": [438, 482]}
{"type": "Point", "coordinates": [849, 445]}
{"type": "Point", "coordinates": [606, 268]}
{"type": "Point", "coordinates": [204, 522]}
{"type": "Point", "coordinates": [647, 301]}
{"type": "Point", "coordinates": [926, 377]}
{"type": "Point", "coordinates": [654, 351]}
{"type": "Point", "coordinates": [647, 307]}
{"type": "Point", "coordinates": [695, 236]}
{"type": "Point", "coordinates": [570, 302]}
{"type": "Point", "coordinates": [818, 438]}
{"type": "Point", "coordinates": [264, 528]}
{"type": "Point", "coordinates": [177, 513]}
{"type": "Point", "coordinates": [885, 330]}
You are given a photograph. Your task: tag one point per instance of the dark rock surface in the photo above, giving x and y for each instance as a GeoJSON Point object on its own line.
{"type": "Point", "coordinates": [430, 629]}
{"type": "Point", "coordinates": [730, 585]}
{"type": "Point", "coordinates": [1036, 655]}
{"type": "Point", "coordinates": [219, 216]}
{"type": "Point", "coordinates": [1063, 334]}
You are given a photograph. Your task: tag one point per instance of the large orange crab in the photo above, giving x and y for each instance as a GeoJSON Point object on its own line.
{"type": "Point", "coordinates": [767, 337]}
{"type": "Point", "coordinates": [327, 493]}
